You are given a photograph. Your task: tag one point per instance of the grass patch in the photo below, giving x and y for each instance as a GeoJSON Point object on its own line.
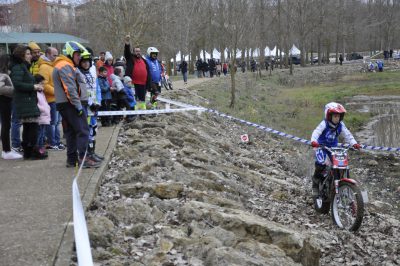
{"type": "Point", "coordinates": [279, 102]}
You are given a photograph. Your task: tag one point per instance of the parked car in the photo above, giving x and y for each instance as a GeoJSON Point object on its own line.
{"type": "Point", "coordinates": [295, 59]}
{"type": "Point", "coordinates": [314, 60]}
{"type": "Point", "coordinates": [354, 56]}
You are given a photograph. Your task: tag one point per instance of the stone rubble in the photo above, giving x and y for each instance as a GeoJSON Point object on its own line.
{"type": "Point", "coordinates": [182, 189]}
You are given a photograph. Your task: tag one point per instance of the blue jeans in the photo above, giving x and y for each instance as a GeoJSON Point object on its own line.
{"type": "Point", "coordinates": [52, 130]}
{"type": "Point", "coordinates": [42, 135]}
{"type": "Point", "coordinates": [185, 76]}
{"type": "Point", "coordinates": [15, 129]}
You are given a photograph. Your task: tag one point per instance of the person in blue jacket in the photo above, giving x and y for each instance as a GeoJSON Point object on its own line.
{"type": "Point", "coordinates": [380, 65]}
{"type": "Point", "coordinates": [105, 95]}
{"type": "Point", "coordinates": [130, 95]}
{"type": "Point", "coordinates": [327, 134]}
{"type": "Point", "coordinates": [155, 73]}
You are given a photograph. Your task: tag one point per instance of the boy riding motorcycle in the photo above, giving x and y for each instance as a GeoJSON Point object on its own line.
{"type": "Point", "coordinates": [327, 134]}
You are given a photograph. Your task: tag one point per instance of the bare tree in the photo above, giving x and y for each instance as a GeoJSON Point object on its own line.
{"type": "Point", "coordinates": [234, 28]}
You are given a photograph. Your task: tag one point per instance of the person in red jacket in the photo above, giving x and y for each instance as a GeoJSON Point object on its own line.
{"type": "Point", "coordinates": [109, 65]}
{"type": "Point", "coordinates": [138, 70]}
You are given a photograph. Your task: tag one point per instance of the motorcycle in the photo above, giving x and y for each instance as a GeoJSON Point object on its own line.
{"type": "Point", "coordinates": [339, 193]}
{"type": "Point", "coordinates": [167, 83]}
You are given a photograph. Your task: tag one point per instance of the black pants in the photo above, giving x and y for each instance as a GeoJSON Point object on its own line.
{"type": "Point", "coordinates": [29, 138]}
{"type": "Point", "coordinates": [155, 89]}
{"type": "Point", "coordinates": [76, 131]}
{"type": "Point", "coordinates": [140, 92]}
{"type": "Point", "coordinates": [5, 115]}
{"type": "Point", "coordinates": [105, 106]}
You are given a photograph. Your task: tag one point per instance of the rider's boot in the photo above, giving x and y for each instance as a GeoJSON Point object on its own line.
{"type": "Point", "coordinates": [141, 106]}
{"type": "Point", "coordinates": [154, 101]}
{"type": "Point", "coordinates": [317, 177]}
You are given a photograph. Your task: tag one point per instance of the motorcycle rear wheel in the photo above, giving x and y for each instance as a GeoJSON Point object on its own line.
{"type": "Point", "coordinates": [347, 207]}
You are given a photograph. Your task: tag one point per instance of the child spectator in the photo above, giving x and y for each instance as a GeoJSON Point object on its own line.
{"type": "Point", "coordinates": [105, 96]}
{"type": "Point", "coordinates": [109, 65]}
{"type": "Point", "coordinates": [118, 92]}
{"type": "Point", "coordinates": [130, 93]}
{"type": "Point", "coordinates": [44, 119]}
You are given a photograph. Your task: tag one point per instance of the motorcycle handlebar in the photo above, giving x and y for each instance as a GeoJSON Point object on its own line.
{"type": "Point", "coordinates": [330, 148]}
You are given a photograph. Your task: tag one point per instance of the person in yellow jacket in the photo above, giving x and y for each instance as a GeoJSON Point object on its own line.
{"type": "Point", "coordinates": [35, 51]}
{"type": "Point", "coordinates": [46, 67]}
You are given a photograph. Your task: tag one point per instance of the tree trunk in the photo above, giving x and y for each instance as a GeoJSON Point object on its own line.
{"type": "Point", "coordinates": [233, 85]}
{"type": "Point", "coordinates": [328, 51]}
{"type": "Point", "coordinates": [319, 51]}
{"type": "Point", "coordinates": [175, 73]}
{"type": "Point", "coordinates": [247, 59]}
{"type": "Point", "coordinates": [190, 63]}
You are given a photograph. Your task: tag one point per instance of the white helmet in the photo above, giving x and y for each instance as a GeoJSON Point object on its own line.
{"type": "Point", "coordinates": [152, 50]}
{"type": "Point", "coordinates": [334, 108]}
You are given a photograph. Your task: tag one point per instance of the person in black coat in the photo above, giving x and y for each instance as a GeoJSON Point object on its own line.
{"type": "Point", "coordinates": [25, 99]}
{"type": "Point", "coordinates": [184, 70]}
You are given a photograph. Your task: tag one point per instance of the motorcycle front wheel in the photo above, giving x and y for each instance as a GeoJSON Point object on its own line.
{"type": "Point", "coordinates": [164, 83]}
{"type": "Point", "coordinates": [347, 207]}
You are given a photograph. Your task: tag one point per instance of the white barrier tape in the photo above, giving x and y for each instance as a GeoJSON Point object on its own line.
{"type": "Point", "coordinates": [149, 112]}
{"type": "Point", "coordinates": [282, 134]}
{"type": "Point", "coordinates": [187, 107]}
{"type": "Point", "coordinates": [82, 243]}
{"type": "Point", "coordinates": [175, 103]}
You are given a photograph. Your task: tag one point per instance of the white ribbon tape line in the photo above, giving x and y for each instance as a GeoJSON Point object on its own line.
{"type": "Point", "coordinates": [82, 243]}
{"type": "Point", "coordinates": [188, 107]}
{"type": "Point", "coordinates": [149, 112]}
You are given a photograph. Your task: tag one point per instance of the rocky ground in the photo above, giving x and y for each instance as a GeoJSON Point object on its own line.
{"type": "Point", "coordinates": [181, 189]}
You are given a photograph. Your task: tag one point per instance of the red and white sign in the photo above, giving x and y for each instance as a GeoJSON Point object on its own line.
{"type": "Point", "coordinates": [244, 138]}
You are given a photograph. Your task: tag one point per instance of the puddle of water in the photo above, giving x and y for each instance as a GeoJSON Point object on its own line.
{"type": "Point", "coordinates": [384, 129]}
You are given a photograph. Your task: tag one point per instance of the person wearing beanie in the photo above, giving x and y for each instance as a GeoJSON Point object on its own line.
{"type": "Point", "coordinates": [130, 94]}
{"type": "Point", "coordinates": [127, 79]}
{"type": "Point", "coordinates": [109, 66]}
{"type": "Point", "coordinates": [35, 51]}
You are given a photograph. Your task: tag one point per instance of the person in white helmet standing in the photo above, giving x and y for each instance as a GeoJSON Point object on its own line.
{"type": "Point", "coordinates": [155, 73]}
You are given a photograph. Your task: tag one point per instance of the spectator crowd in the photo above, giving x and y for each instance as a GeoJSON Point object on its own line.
{"type": "Point", "coordinates": [41, 89]}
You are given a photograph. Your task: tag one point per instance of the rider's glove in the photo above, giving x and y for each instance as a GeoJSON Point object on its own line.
{"type": "Point", "coordinates": [357, 146]}
{"type": "Point", "coordinates": [80, 112]}
{"type": "Point", "coordinates": [314, 144]}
